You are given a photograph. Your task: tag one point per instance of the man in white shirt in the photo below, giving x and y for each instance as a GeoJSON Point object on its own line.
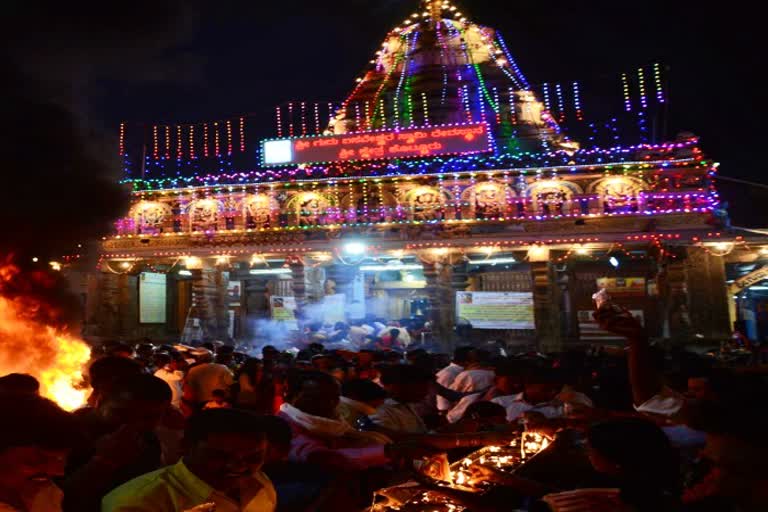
{"type": "Point", "coordinates": [543, 393]}
{"type": "Point", "coordinates": [407, 386]}
{"type": "Point", "coordinates": [357, 334]}
{"type": "Point", "coordinates": [477, 376]}
{"type": "Point", "coordinates": [508, 381]}
{"type": "Point", "coordinates": [447, 375]}
{"type": "Point", "coordinates": [169, 371]}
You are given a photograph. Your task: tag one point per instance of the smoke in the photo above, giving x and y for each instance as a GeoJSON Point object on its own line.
{"type": "Point", "coordinates": [61, 168]}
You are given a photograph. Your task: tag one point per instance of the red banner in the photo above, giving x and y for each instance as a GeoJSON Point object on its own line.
{"type": "Point", "coordinates": [406, 143]}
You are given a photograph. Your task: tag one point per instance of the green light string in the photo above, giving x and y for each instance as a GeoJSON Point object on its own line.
{"type": "Point", "coordinates": [479, 75]}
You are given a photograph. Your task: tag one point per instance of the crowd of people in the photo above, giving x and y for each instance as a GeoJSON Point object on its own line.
{"type": "Point", "coordinates": [173, 428]}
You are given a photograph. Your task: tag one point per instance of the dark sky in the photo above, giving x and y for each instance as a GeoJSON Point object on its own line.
{"type": "Point", "coordinates": [193, 60]}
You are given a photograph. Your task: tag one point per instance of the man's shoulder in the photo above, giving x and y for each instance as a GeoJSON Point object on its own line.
{"type": "Point", "coordinates": [150, 490]}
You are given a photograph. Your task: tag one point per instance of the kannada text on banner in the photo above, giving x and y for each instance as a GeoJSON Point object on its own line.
{"type": "Point", "coordinates": [496, 310]}
{"type": "Point", "coordinates": [405, 143]}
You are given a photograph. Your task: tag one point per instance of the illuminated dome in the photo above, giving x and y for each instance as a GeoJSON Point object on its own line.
{"type": "Point", "coordinates": [438, 68]}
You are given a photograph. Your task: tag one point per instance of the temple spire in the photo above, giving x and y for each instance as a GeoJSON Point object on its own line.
{"type": "Point", "coordinates": [435, 9]}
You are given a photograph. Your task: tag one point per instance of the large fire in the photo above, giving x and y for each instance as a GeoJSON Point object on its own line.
{"type": "Point", "coordinates": [46, 352]}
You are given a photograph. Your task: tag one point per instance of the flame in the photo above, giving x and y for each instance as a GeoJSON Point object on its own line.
{"type": "Point", "coordinates": [533, 443]}
{"type": "Point", "coordinates": [49, 354]}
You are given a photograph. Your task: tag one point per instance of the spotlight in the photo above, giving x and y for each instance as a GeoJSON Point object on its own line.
{"type": "Point", "coordinates": [354, 248]}
{"type": "Point", "coordinates": [614, 261]}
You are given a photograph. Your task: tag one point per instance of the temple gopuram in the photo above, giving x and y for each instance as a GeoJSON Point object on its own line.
{"type": "Point", "coordinates": [445, 187]}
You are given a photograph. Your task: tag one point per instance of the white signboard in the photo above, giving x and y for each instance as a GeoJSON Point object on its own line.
{"type": "Point", "coordinates": [284, 310]}
{"type": "Point", "coordinates": [152, 298]}
{"type": "Point", "coordinates": [496, 310]}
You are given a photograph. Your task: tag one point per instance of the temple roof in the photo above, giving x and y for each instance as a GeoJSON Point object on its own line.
{"type": "Point", "coordinates": [437, 68]}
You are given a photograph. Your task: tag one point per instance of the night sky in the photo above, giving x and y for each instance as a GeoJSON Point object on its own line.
{"type": "Point", "coordinates": [182, 61]}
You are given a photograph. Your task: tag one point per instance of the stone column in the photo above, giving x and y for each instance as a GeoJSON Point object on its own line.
{"type": "Point", "coordinates": [299, 284]}
{"type": "Point", "coordinates": [342, 276]}
{"type": "Point", "coordinates": [546, 300]}
{"type": "Point", "coordinates": [707, 294]}
{"type": "Point", "coordinates": [673, 298]}
{"type": "Point", "coordinates": [209, 290]}
{"type": "Point", "coordinates": [440, 292]}
{"type": "Point", "coordinates": [256, 305]}
{"type": "Point", "coordinates": [108, 310]}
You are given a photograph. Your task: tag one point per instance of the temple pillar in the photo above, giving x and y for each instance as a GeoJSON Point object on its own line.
{"type": "Point", "coordinates": [440, 291]}
{"type": "Point", "coordinates": [673, 295]}
{"type": "Point", "coordinates": [547, 307]}
{"type": "Point", "coordinates": [256, 303]}
{"type": "Point", "coordinates": [343, 277]}
{"type": "Point", "coordinates": [209, 288]}
{"type": "Point", "coordinates": [707, 294]}
{"type": "Point", "coordinates": [299, 284]}
{"type": "Point", "coordinates": [108, 315]}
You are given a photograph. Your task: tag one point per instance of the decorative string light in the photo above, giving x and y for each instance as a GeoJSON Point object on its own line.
{"type": "Point", "coordinates": [279, 118]}
{"type": "Point", "coordinates": [216, 139]}
{"type": "Point", "coordinates": [303, 119]}
{"type": "Point", "coordinates": [641, 85]}
{"type": "Point", "coordinates": [383, 116]}
{"type": "Point", "coordinates": [577, 101]}
{"type": "Point", "coordinates": [627, 97]}
{"type": "Point", "coordinates": [512, 106]}
{"type": "Point", "coordinates": [425, 107]}
{"type": "Point", "coordinates": [317, 118]}
{"type": "Point", "coordinates": [658, 82]}
{"type": "Point", "coordinates": [121, 147]}
{"type": "Point", "coordinates": [411, 115]}
{"type": "Point", "coordinates": [192, 154]}
{"type": "Point", "coordinates": [586, 160]}
{"type": "Point", "coordinates": [467, 104]}
{"type": "Point", "coordinates": [242, 135]}
{"type": "Point", "coordinates": [547, 99]}
{"type": "Point", "coordinates": [358, 116]}
{"type": "Point", "coordinates": [290, 119]}
{"type": "Point", "coordinates": [406, 40]}
{"type": "Point", "coordinates": [518, 73]}
{"type": "Point", "coordinates": [167, 142]}
{"type": "Point", "coordinates": [560, 102]}
{"type": "Point", "coordinates": [155, 143]}
{"type": "Point", "coordinates": [229, 137]}
{"type": "Point", "coordinates": [179, 143]}
{"type": "Point", "coordinates": [482, 105]}
{"type": "Point", "coordinates": [206, 153]}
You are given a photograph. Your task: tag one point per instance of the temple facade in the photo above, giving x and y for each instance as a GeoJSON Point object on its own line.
{"type": "Point", "coordinates": [444, 187]}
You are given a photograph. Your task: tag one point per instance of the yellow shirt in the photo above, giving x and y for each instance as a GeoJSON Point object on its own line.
{"type": "Point", "coordinates": [176, 489]}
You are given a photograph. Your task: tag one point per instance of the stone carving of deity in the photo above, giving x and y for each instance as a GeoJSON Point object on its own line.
{"type": "Point", "coordinates": [259, 210]}
{"type": "Point", "coordinates": [488, 202]}
{"type": "Point", "coordinates": [151, 217]}
{"type": "Point", "coordinates": [204, 215]}
{"type": "Point", "coordinates": [426, 205]}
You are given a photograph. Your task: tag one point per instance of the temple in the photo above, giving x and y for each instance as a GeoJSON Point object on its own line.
{"type": "Point", "coordinates": [445, 187]}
